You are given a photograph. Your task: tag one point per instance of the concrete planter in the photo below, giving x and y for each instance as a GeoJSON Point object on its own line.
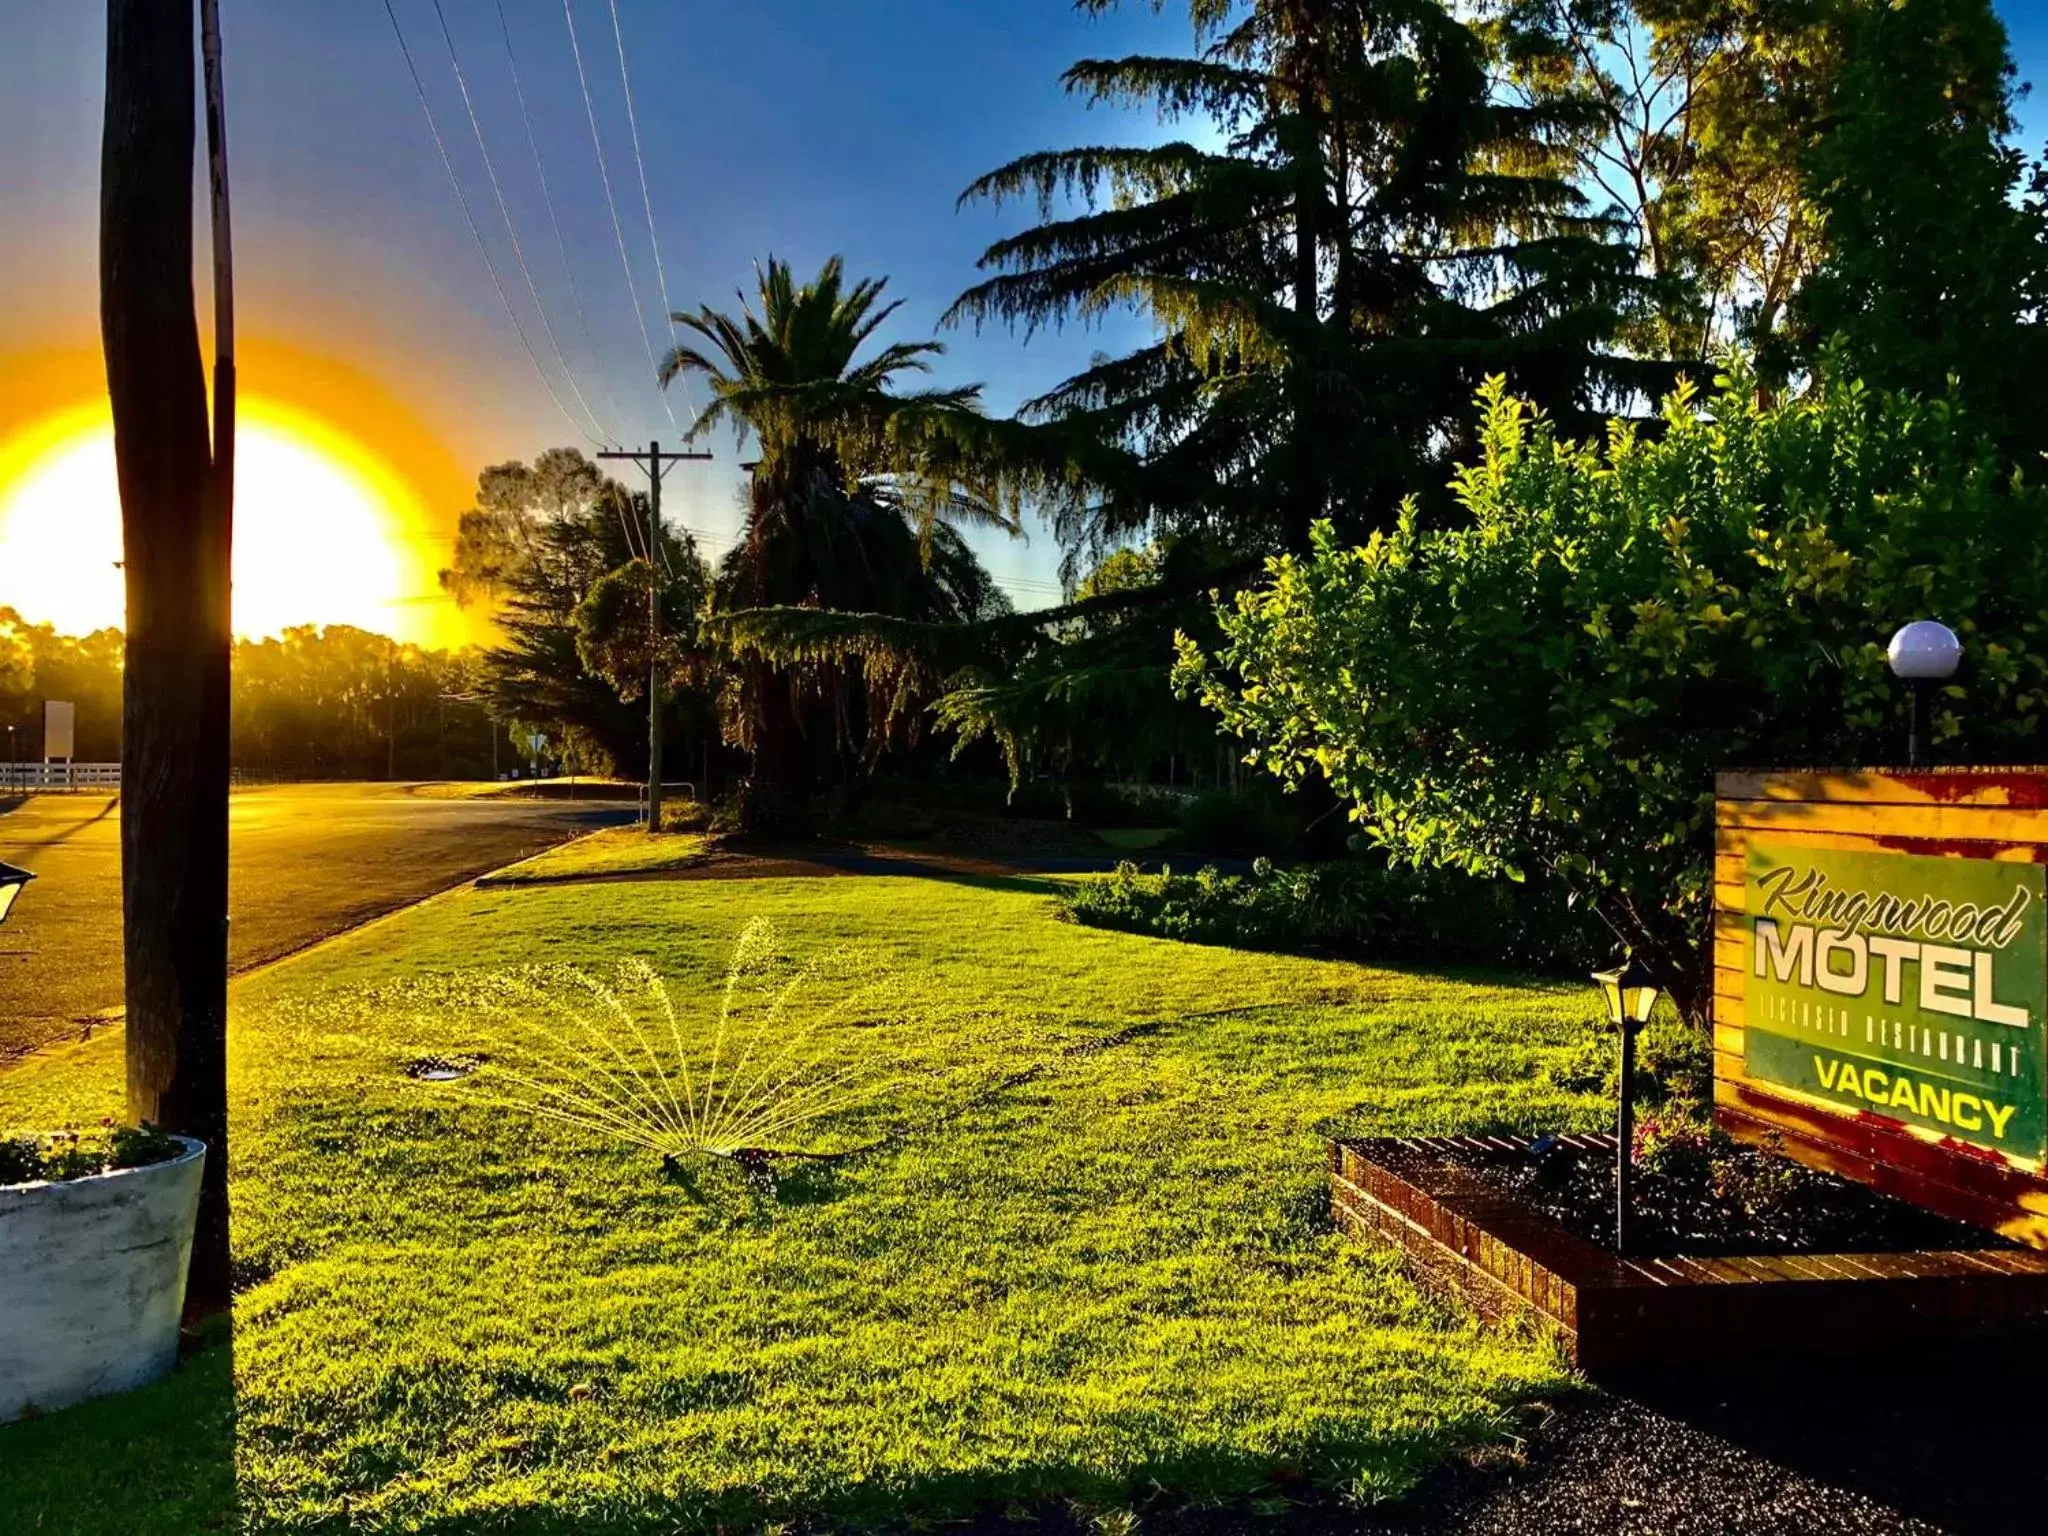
{"type": "Point", "coordinates": [92, 1281]}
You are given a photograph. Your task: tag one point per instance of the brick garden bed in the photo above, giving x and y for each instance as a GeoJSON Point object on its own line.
{"type": "Point", "coordinates": [1464, 1236]}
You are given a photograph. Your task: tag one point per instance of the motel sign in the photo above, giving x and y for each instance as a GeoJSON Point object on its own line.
{"type": "Point", "coordinates": [1908, 986]}
{"type": "Point", "coordinates": [1881, 981]}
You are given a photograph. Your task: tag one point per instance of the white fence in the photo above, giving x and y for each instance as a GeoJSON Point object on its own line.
{"type": "Point", "coordinates": [60, 776]}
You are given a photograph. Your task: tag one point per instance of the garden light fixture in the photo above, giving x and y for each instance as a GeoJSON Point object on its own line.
{"type": "Point", "coordinates": [1922, 654]}
{"type": "Point", "coordinates": [1631, 994]}
{"type": "Point", "coordinates": [11, 882]}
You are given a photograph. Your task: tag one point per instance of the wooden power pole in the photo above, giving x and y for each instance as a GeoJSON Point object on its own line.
{"type": "Point", "coordinates": [224, 387]}
{"type": "Point", "coordinates": [176, 510]}
{"type": "Point", "coordinates": [656, 464]}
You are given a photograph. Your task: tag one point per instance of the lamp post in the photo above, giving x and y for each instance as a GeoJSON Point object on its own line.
{"type": "Point", "coordinates": [1922, 654]}
{"type": "Point", "coordinates": [1631, 994]}
{"type": "Point", "coordinates": [11, 882]}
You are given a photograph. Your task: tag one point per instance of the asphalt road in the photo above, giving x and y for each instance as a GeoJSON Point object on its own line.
{"type": "Point", "coordinates": [307, 861]}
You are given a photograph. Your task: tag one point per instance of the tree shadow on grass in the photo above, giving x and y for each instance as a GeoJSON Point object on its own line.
{"type": "Point", "coordinates": [1200, 1492]}
{"type": "Point", "coordinates": [158, 1461]}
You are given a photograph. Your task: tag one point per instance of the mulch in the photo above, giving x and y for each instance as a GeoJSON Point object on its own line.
{"type": "Point", "coordinates": [1719, 1199]}
{"type": "Point", "coordinates": [1611, 1465]}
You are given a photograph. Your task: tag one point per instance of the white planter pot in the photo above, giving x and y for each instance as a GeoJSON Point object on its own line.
{"type": "Point", "coordinates": [92, 1281]}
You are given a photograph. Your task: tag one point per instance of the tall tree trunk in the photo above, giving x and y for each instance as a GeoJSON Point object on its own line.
{"type": "Point", "coordinates": [1300, 69]}
{"type": "Point", "coordinates": [174, 845]}
{"type": "Point", "coordinates": [775, 801]}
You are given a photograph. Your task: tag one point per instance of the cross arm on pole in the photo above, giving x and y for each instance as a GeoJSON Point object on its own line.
{"type": "Point", "coordinates": [655, 465]}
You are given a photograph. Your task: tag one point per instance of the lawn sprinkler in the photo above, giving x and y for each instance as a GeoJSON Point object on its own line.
{"type": "Point", "coordinates": [737, 1086]}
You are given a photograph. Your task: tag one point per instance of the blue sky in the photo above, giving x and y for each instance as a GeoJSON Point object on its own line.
{"type": "Point", "coordinates": [795, 127]}
{"type": "Point", "coordinates": [799, 127]}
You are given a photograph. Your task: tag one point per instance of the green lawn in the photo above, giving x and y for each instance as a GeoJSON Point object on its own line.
{"type": "Point", "coordinates": [1089, 1260]}
{"type": "Point", "coordinates": [619, 851]}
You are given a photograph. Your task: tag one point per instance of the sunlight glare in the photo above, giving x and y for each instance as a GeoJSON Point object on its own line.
{"type": "Point", "coordinates": [321, 529]}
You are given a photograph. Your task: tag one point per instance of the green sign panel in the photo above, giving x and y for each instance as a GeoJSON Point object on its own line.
{"type": "Point", "coordinates": [1897, 985]}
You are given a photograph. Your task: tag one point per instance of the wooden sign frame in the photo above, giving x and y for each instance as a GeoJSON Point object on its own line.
{"type": "Point", "coordinates": [1998, 815]}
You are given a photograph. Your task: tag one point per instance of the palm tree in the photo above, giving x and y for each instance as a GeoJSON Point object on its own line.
{"type": "Point", "coordinates": [855, 506]}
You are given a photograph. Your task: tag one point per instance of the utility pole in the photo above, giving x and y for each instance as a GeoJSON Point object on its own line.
{"type": "Point", "coordinates": [655, 463]}
{"type": "Point", "coordinates": [225, 388]}
{"type": "Point", "coordinates": [176, 508]}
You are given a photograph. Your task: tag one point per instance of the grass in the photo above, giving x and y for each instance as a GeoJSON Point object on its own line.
{"type": "Point", "coordinates": [528, 789]}
{"type": "Point", "coordinates": [1089, 1261]}
{"type": "Point", "coordinates": [616, 851]}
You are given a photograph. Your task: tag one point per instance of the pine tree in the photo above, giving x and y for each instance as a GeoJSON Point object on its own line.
{"type": "Point", "coordinates": [1373, 236]}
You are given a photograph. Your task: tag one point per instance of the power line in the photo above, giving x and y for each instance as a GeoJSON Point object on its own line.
{"type": "Point", "coordinates": [469, 215]}
{"type": "Point", "coordinates": [626, 527]}
{"type": "Point", "coordinates": [618, 230]}
{"type": "Point", "coordinates": [511, 231]}
{"type": "Point", "coordinates": [554, 222]}
{"type": "Point", "coordinates": [646, 200]}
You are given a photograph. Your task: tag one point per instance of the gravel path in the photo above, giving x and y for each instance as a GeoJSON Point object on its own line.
{"type": "Point", "coordinates": [1955, 1443]}
{"type": "Point", "coordinates": [1612, 1467]}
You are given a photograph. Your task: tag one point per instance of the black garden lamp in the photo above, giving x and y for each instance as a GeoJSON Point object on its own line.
{"type": "Point", "coordinates": [1922, 654]}
{"type": "Point", "coordinates": [11, 882]}
{"type": "Point", "coordinates": [1631, 995]}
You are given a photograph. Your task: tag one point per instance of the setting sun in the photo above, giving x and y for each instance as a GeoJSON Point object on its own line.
{"type": "Point", "coordinates": [324, 532]}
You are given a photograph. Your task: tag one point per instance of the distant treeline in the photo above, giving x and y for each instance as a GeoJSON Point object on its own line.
{"type": "Point", "coordinates": [332, 703]}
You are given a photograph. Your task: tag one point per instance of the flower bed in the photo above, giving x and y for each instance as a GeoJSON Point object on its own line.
{"type": "Point", "coordinates": [1711, 1196]}
{"type": "Point", "coordinates": [1442, 1203]}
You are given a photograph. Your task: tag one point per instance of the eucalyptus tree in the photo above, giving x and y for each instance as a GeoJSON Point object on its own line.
{"type": "Point", "coordinates": [1693, 118]}
{"type": "Point", "coordinates": [1358, 232]}
{"type": "Point", "coordinates": [1831, 185]}
{"type": "Point", "coordinates": [1935, 272]}
{"type": "Point", "coordinates": [17, 657]}
{"type": "Point", "coordinates": [856, 505]}
{"type": "Point", "coordinates": [546, 547]}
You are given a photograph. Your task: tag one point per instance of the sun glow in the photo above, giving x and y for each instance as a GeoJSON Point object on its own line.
{"type": "Point", "coordinates": [325, 531]}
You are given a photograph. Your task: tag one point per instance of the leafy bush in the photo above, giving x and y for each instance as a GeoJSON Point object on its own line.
{"type": "Point", "coordinates": [1093, 805]}
{"type": "Point", "coordinates": [687, 815]}
{"type": "Point", "coordinates": [1237, 823]}
{"type": "Point", "coordinates": [1549, 688]}
{"type": "Point", "coordinates": [62, 1155]}
{"type": "Point", "coordinates": [1674, 1068]}
{"type": "Point", "coordinates": [1676, 1146]}
{"type": "Point", "coordinates": [1356, 906]}
{"type": "Point", "coordinates": [887, 819]}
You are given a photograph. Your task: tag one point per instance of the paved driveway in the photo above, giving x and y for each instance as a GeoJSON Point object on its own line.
{"type": "Point", "coordinates": [307, 861]}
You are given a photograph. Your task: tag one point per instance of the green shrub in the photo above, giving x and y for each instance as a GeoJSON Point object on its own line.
{"type": "Point", "coordinates": [1548, 688]}
{"type": "Point", "coordinates": [63, 1155]}
{"type": "Point", "coordinates": [686, 815]}
{"type": "Point", "coordinates": [1237, 824]}
{"type": "Point", "coordinates": [1095, 805]}
{"type": "Point", "coordinates": [1359, 906]}
{"type": "Point", "coordinates": [889, 820]}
